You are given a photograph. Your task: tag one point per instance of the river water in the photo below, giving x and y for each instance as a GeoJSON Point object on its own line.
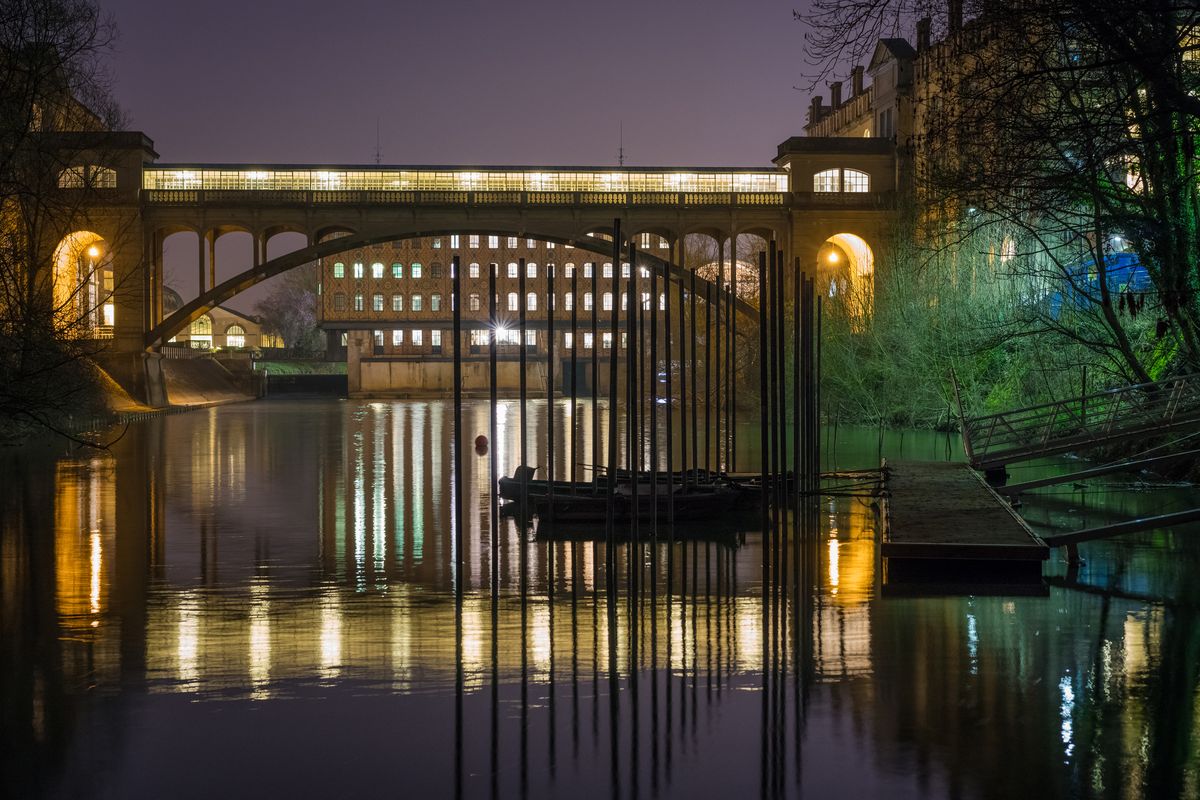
{"type": "Point", "coordinates": [259, 600]}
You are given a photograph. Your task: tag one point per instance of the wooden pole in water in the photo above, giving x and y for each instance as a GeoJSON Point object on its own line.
{"type": "Point", "coordinates": [708, 397]}
{"type": "Point", "coordinates": [550, 301]}
{"type": "Point", "coordinates": [574, 462]}
{"type": "Point", "coordinates": [456, 306]}
{"type": "Point", "coordinates": [669, 391]}
{"type": "Point", "coordinates": [731, 372]}
{"type": "Point", "coordinates": [780, 412]}
{"type": "Point", "coordinates": [797, 389]}
{"type": "Point", "coordinates": [495, 506]}
{"type": "Point", "coordinates": [767, 311]}
{"type": "Point", "coordinates": [693, 369]}
{"type": "Point", "coordinates": [595, 380]}
{"type": "Point", "coordinates": [522, 383]}
{"type": "Point", "coordinates": [764, 435]}
{"type": "Point", "coordinates": [632, 456]}
{"type": "Point", "coordinates": [721, 452]}
{"type": "Point", "coordinates": [654, 416]}
{"type": "Point", "coordinates": [683, 404]}
{"type": "Point", "coordinates": [612, 388]}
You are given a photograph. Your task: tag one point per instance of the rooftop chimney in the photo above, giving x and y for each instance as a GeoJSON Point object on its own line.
{"type": "Point", "coordinates": [955, 13]}
{"type": "Point", "coordinates": [835, 94]}
{"type": "Point", "coordinates": [816, 111]}
{"type": "Point", "coordinates": [856, 81]}
{"type": "Point", "coordinates": [923, 34]}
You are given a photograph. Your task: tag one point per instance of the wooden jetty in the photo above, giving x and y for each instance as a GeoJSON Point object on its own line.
{"type": "Point", "coordinates": [945, 528]}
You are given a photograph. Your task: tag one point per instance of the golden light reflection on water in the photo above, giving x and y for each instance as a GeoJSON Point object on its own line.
{"type": "Point", "coordinates": [230, 590]}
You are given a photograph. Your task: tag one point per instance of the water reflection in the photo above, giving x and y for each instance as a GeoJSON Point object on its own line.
{"type": "Point", "coordinates": [270, 588]}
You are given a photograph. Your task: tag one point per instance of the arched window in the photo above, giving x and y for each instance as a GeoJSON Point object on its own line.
{"type": "Point", "coordinates": [200, 332]}
{"type": "Point", "coordinates": [568, 301]}
{"type": "Point", "coordinates": [473, 302]}
{"type": "Point", "coordinates": [854, 180]}
{"type": "Point", "coordinates": [339, 269]}
{"type": "Point", "coordinates": [827, 180]}
{"type": "Point", "coordinates": [587, 301]}
{"type": "Point", "coordinates": [514, 301]}
{"type": "Point", "coordinates": [531, 301]}
{"type": "Point", "coordinates": [377, 270]}
{"type": "Point", "coordinates": [841, 180]}
{"type": "Point", "coordinates": [235, 336]}
{"type": "Point", "coordinates": [512, 269]}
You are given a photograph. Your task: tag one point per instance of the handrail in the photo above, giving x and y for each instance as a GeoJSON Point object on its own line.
{"type": "Point", "coordinates": [1053, 426]}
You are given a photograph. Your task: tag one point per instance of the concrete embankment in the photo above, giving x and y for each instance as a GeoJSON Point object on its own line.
{"type": "Point", "coordinates": [139, 382]}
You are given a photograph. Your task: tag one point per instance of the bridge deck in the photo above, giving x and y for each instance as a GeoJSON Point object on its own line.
{"type": "Point", "coordinates": [944, 523]}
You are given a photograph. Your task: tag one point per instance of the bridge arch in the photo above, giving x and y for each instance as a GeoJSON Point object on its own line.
{"type": "Point", "coordinates": [849, 262]}
{"type": "Point", "coordinates": [82, 283]}
{"type": "Point", "coordinates": [328, 245]}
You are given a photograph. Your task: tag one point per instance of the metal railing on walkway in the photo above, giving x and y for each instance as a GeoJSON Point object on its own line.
{"type": "Point", "coordinates": [1083, 422]}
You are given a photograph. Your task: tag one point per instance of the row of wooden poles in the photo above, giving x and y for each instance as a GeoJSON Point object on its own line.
{"type": "Point", "coordinates": [788, 473]}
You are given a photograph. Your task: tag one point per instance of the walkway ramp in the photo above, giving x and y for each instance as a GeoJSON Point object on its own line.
{"type": "Point", "coordinates": [1103, 418]}
{"type": "Point", "coordinates": [944, 525]}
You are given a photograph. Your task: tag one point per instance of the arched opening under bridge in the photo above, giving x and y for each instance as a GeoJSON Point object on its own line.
{"type": "Point", "coordinates": [848, 264]}
{"type": "Point", "coordinates": [81, 283]}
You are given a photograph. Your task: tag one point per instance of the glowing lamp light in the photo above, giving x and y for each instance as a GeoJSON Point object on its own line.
{"type": "Point", "coordinates": [833, 257]}
{"type": "Point", "coordinates": [93, 252]}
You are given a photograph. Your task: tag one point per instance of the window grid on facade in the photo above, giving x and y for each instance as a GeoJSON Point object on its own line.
{"type": "Point", "coordinates": [415, 270]}
{"type": "Point", "coordinates": [377, 271]}
{"type": "Point", "coordinates": [415, 304]}
{"type": "Point", "coordinates": [397, 302]}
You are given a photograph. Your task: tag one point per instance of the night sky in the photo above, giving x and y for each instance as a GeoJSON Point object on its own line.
{"type": "Point", "coordinates": [700, 83]}
{"type": "Point", "coordinates": [704, 83]}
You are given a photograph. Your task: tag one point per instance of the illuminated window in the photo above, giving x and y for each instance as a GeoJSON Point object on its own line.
{"type": "Point", "coordinates": [379, 338]}
{"type": "Point", "coordinates": [358, 301]}
{"type": "Point", "coordinates": [455, 240]}
{"type": "Point", "coordinates": [587, 301]}
{"type": "Point", "coordinates": [587, 269]}
{"type": "Point", "coordinates": [549, 245]}
{"type": "Point", "coordinates": [435, 302]}
{"type": "Point", "coordinates": [568, 270]}
{"type": "Point", "coordinates": [345, 338]}
{"type": "Point", "coordinates": [358, 270]}
{"type": "Point", "coordinates": [512, 269]}
{"type": "Point", "coordinates": [415, 270]}
{"type": "Point", "coordinates": [645, 301]}
{"type": "Point", "coordinates": [624, 301]}
{"type": "Point", "coordinates": [437, 243]}
{"type": "Point", "coordinates": [568, 301]}
{"type": "Point", "coordinates": [473, 240]}
{"type": "Point", "coordinates": [377, 302]}
{"type": "Point", "coordinates": [339, 301]}
{"type": "Point", "coordinates": [415, 303]}
{"type": "Point", "coordinates": [512, 243]}
{"type": "Point", "coordinates": [493, 242]}
{"type": "Point", "coordinates": [531, 243]}
{"type": "Point", "coordinates": [828, 180]}
{"type": "Point", "coordinates": [473, 270]}
{"type": "Point", "coordinates": [568, 341]}
{"type": "Point", "coordinates": [663, 244]}
{"type": "Point", "coordinates": [397, 302]}
{"type": "Point", "coordinates": [531, 301]}
{"type": "Point", "coordinates": [339, 270]}
{"type": "Point", "coordinates": [607, 302]}
{"type": "Point", "coordinates": [397, 271]}
{"type": "Point", "coordinates": [514, 301]}
{"type": "Point", "coordinates": [531, 270]}
{"type": "Point", "coordinates": [473, 302]}
{"type": "Point", "coordinates": [608, 273]}
{"type": "Point", "coordinates": [587, 341]}
{"type": "Point", "coordinates": [377, 270]}
{"type": "Point", "coordinates": [606, 341]}
{"type": "Point", "coordinates": [662, 301]}
{"type": "Point", "coordinates": [435, 338]}
{"type": "Point", "coordinates": [418, 337]}
{"type": "Point", "coordinates": [397, 337]}
{"type": "Point", "coordinates": [624, 270]}
{"type": "Point", "coordinates": [478, 337]}
{"type": "Point", "coordinates": [855, 181]}
{"type": "Point", "coordinates": [200, 332]}
{"type": "Point", "coordinates": [508, 336]}
{"type": "Point", "coordinates": [531, 338]}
